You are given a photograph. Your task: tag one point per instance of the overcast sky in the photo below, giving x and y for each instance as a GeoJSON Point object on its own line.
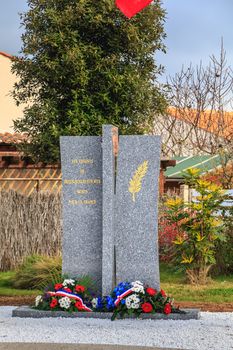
{"type": "Point", "coordinates": [194, 29]}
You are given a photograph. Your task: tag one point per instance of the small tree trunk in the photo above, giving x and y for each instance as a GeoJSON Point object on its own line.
{"type": "Point", "coordinates": [198, 276]}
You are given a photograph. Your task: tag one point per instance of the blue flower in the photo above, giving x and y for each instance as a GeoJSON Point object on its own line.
{"type": "Point", "coordinates": [99, 303]}
{"type": "Point", "coordinates": [123, 301]}
{"type": "Point", "coordinates": [110, 302]}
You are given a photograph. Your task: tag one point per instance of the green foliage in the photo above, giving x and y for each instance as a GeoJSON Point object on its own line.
{"type": "Point", "coordinates": [199, 226]}
{"type": "Point", "coordinates": [6, 285]}
{"type": "Point", "coordinates": [218, 291]}
{"type": "Point", "coordinates": [224, 249]}
{"type": "Point", "coordinates": [84, 64]}
{"type": "Point", "coordinates": [87, 282]}
{"type": "Point", "coordinates": [37, 271]}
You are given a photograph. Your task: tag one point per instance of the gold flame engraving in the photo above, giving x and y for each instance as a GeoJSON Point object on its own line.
{"type": "Point", "coordinates": [135, 184]}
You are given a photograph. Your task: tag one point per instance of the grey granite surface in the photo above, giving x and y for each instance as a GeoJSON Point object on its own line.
{"type": "Point", "coordinates": [136, 224]}
{"type": "Point", "coordinates": [81, 161]}
{"type": "Point", "coordinates": [26, 311]}
{"type": "Point", "coordinates": [65, 346]}
{"type": "Point", "coordinates": [109, 140]}
{"type": "Point", "coordinates": [110, 217]}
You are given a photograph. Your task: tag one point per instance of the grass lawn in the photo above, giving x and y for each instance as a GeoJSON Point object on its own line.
{"type": "Point", "coordinates": [219, 290]}
{"type": "Point", "coordinates": [7, 290]}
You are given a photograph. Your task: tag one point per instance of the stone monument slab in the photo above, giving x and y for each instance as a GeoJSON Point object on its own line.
{"type": "Point", "coordinates": [81, 159]}
{"type": "Point", "coordinates": [136, 223]}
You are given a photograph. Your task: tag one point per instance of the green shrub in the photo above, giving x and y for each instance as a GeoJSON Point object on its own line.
{"type": "Point", "coordinates": [38, 271]}
{"type": "Point", "coordinates": [224, 250]}
{"type": "Point", "coordinates": [199, 226]}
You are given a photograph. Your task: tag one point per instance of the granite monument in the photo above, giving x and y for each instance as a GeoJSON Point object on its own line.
{"type": "Point", "coordinates": [110, 196]}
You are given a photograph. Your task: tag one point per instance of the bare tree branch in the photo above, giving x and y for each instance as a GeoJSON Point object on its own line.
{"type": "Point", "coordinates": [199, 120]}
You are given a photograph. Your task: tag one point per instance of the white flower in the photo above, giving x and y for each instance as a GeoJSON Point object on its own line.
{"type": "Point", "coordinates": [68, 282]}
{"type": "Point", "coordinates": [64, 302]}
{"type": "Point", "coordinates": [94, 302]}
{"type": "Point", "coordinates": [137, 283]}
{"type": "Point", "coordinates": [138, 287]}
{"type": "Point", "coordinates": [132, 302]}
{"type": "Point", "coordinates": [38, 300]}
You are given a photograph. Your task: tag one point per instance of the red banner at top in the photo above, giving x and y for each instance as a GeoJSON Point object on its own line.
{"type": "Point", "coordinates": [132, 7]}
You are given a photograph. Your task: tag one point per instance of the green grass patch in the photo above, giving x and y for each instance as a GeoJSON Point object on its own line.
{"type": "Point", "coordinates": [218, 290]}
{"type": "Point", "coordinates": [6, 288]}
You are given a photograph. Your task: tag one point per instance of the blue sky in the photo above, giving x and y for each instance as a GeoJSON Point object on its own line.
{"type": "Point", "coordinates": [194, 30]}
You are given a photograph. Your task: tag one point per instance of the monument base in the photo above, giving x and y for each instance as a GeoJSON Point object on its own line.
{"type": "Point", "coordinates": [27, 312]}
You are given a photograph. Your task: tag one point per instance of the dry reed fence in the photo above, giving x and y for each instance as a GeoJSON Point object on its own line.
{"type": "Point", "coordinates": [28, 225]}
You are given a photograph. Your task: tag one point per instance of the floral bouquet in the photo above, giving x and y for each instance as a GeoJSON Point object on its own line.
{"type": "Point", "coordinates": [66, 296]}
{"type": "Point", "coordinates": [131, 299]}
{"type": "Point", "coordinates": [134, 299]}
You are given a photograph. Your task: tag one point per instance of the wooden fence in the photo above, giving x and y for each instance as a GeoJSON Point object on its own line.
{"type": "Point", "coordinates": [28, 224]}
{"type": "Point", "coordinates": [26, 181]}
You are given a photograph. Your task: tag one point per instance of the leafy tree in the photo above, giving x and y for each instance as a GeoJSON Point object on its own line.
{"type": "Point", "coordinates": [84, 64]}
{"type": "Point", "coordinates": [199, 226]}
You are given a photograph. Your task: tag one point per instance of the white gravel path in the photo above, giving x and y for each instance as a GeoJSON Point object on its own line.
{"type": "Point", "coordinates": [213, 331]}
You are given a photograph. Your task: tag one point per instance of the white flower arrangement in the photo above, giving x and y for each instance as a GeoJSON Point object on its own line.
{"type": "Point", "coordinates": [38, 300]}
{"type": "Point", "coordinates": [68, 282]}
{"type": "Point", "coordinates": [138, 287]}
{"type": "Point", "coordinates": [64, 302]}
{"type": "Point", "coordinates": [132, 302]}
{"type": "Point", "coordinates": [137, 283]}
{"type": "Point", "coordinates": [94, 303]}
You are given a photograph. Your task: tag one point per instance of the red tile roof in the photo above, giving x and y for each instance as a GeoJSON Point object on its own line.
{"type": "Point", "coordinates": [6, 55]}
{"type": "Point", "coordinates": [12, 138]}
{"type": "Point", "coordinates": [211, 121]}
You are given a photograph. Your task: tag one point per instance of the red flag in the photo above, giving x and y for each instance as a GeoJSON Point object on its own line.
{"type": "Point", "coordinates": [131, 7]}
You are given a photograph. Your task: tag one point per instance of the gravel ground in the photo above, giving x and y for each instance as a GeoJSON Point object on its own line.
{"type": "Point", "coordinates": [213, 331]}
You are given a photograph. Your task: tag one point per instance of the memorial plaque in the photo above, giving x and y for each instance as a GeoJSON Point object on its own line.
{"type": "Point", "coordinates": [136, 223]}
{"type": "Point", "coordinates": [81, 159]}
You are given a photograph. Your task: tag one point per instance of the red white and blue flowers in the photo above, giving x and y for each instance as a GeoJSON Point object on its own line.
{"type": "Point", "coordinates": [67, 296]}
{"type": "Point", "coordinates": [126, 298]}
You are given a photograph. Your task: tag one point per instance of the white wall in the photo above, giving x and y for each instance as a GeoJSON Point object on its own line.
{"type": "Point", "coordinates": [8, 109]}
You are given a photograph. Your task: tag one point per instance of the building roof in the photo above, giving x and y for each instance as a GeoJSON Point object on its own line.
{"type": "Point", "coordinates": [12, 138]}
{"type": "Point", "coordinates": [6, 55]}
{"type": "Point", "coordinates": [204, 162]}
{"type": "Point", "coordinates": [220, 123]}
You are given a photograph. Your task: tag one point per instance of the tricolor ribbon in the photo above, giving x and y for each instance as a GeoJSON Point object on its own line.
{"type": "Point", "coordinates": [121, 296]}
{"type": "Point", "coordinates": [62, 293]}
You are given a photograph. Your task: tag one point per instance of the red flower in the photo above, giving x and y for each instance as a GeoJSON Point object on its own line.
{"type": "Point", "coordinates": [68, 290]}
{"type": "Point", "coordinates": [58, 286]}
{"type": "Point", "coordinates": [53, 303]}
{"type": "Point", "coordinates": [80, 289]}
{"type": "Point", "coordinates": [147, 307]}
{"type": "Point", "coordinates": [167, 309]}
{"type": "Point", "coordinates": [163, 293]}
{"type": "Point", "coordinates": [78, 305]}
{"type": "Point", "coordinates": [151, 291]}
